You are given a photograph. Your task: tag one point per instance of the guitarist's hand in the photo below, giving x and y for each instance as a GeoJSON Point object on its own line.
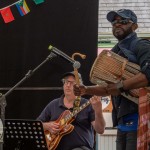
{"type": "Point", "coordinates": [52, 127]}
{"type": "Point", "coordinates": [96, 103]}
{"type": "Point", "coordinates": [99, 122]}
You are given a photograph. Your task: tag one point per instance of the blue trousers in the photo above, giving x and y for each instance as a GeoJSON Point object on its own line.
{"type": "Point", "coordinates": [126, 140]}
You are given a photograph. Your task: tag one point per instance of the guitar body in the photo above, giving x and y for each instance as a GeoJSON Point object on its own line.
{"type": "Point", "coordinates": [65, 128]}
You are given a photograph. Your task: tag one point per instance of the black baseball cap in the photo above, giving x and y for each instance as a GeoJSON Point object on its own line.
{"type": "Point", "coordinates": [124, 13]}
{"type": "Point", "coordinates": [71, 74]}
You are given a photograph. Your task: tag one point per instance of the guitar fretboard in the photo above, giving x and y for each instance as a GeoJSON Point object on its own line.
{"type": "Point", "coordinates": [74, 113]}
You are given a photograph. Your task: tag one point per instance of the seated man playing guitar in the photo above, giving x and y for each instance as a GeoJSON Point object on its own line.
{"type": "Point", "coordinates": [66, 129]}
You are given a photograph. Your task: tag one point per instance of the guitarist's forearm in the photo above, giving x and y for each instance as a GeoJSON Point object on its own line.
{"type": "Point", "coordinates": [99, 123]}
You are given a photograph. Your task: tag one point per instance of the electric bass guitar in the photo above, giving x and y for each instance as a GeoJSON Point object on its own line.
{"type": "Point", "coordinates": [65, 120]}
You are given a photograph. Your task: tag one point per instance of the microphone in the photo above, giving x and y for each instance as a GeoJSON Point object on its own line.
{"type": "Point", "coordinates": [58, 52]}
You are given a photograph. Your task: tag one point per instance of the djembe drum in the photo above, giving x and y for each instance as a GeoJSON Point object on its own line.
{"type": "Point", "coordinates": [109, 67]}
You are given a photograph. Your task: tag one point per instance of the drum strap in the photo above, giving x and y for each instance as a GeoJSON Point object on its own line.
{"type": "Point", "coordinates": [123, 68]}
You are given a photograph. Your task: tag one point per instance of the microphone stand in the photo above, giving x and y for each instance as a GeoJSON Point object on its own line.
{"type": "Point", "coordinates": [3, 102]}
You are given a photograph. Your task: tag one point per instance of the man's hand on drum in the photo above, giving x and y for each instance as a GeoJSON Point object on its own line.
{"type": "Point", "coordinates": [79, 90]}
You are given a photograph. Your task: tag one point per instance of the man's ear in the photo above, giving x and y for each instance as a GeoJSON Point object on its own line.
{"type": "Point", "coordinates": [134, 26]}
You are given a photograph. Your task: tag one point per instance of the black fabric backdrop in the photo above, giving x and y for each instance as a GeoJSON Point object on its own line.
{"type": "Point", "coordinates": [69, 25]}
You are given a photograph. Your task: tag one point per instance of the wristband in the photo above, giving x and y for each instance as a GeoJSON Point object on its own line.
{"type": "Point", "coordinates": [119, 86]}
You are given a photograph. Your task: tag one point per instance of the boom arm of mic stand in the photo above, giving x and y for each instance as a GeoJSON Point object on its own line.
{"type": "Point", "coordinates": [30, 73]}
{"type": "Point", "coordinates": [3, 96]}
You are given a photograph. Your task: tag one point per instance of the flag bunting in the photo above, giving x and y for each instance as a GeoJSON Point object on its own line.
{"type": "Point", "coordinates": [7, 15]}
{"type": "Point", "coordinates": [38, 1]}
{"type": "Point", "coordinates": [21, 6]}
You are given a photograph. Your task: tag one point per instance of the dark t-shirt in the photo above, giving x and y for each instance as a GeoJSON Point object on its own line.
{"type": "Point", "coordinates": [83, 133]}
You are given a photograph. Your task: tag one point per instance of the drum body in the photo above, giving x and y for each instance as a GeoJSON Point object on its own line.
{"type": "Point", "coordinates": [109, 67]}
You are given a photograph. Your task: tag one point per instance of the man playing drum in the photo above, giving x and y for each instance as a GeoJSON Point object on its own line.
{"type": "Point", "coordinates": [125, 112]}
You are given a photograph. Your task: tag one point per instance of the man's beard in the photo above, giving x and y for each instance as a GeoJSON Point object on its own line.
{"type": "Point", "coordinates": [124, 33]}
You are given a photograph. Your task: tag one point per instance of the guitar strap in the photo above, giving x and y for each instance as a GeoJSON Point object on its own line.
{"type": "Point", "coordinates": [76, 103]}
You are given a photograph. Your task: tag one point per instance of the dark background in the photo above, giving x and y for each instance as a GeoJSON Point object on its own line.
{"type": "Point", "coordinates": [69, 25]}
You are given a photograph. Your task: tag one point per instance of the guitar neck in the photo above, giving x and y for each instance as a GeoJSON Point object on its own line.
{"type": "Point", "coordinates": [68, 117]}
{"type": "Point", "coordinates": [75, 112]}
